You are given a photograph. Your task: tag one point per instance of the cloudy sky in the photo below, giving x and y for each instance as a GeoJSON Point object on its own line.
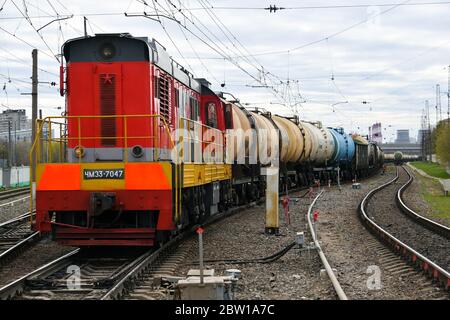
{"type": "Point", "coordinates": [303, 59]}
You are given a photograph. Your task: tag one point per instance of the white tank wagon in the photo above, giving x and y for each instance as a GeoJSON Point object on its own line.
{"type": "Point", "coordinates": [322, 143]}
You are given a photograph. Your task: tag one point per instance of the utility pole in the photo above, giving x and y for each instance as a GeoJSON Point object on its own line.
{"type": "Point", "coordinates": [9, 145]}
{"type": "Point", "coordinates": [428, 124]}
{"type": "Point", "coordinates": [448, 97]}
{"type": "Point", "coordinates": [438, 104]}
{"type": "Point", "coordinates": [34, 109]}
{"type": "Point", "coordinates": [15, 145]}
{"type": "Point", "coordinates": [423, 137]}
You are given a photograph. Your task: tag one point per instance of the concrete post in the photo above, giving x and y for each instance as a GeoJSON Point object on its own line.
{"type": "Point", "coordinates": [272, 196]}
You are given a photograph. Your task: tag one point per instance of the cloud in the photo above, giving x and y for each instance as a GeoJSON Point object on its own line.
{"type": "Point", "coordinates": [394, 61]}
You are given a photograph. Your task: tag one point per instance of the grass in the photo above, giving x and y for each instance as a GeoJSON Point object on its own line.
{"type": "Point", "coordinates": [432, 169]}
{"type": "Point", "coordinates": [433, 194]}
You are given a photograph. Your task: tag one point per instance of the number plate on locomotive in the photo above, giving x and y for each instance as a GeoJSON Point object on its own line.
{"type": "Point", "coordinates": [89, 174]}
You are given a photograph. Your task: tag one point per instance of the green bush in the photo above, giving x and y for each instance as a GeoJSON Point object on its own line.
{"type": "Point", "coordinates": [432, 169]}
{"type": "Point", "coordinates": [443, 143]}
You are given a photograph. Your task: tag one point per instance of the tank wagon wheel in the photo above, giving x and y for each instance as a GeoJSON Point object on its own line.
{"type": "Point", "coordinates": [288, 183]}
{"type": "Point", "coordinates": [235, 198]}
{"type": "Point", "coordinates": [163, 236]}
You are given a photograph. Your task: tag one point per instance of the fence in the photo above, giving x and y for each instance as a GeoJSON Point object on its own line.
{"type": "Point", "coordinates": [15, 177]}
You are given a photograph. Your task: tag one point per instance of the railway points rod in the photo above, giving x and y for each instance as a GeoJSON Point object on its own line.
{"type": "Point", "coordinates": [17, 286]}
{"type": "Point", "coordinates": [337, 286]}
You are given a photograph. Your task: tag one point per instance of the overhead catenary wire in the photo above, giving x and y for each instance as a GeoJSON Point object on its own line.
{"type": "Point", "coordinates": [196, 54]}
{"type": "Point", "coordinates": [349, 6]}
{"type": "Point", "coordinates": [32, 25]}
{"type": "Point", "coordinates": [236, 44]}
{"type": "Point", "coordinates": [239, 54]}
{"type": "Point", "coordinates": [168, 35]}
{"type": "Point", "coordinates": [332, 35]}
{"type": "Point", "coordinates": [208, 41]}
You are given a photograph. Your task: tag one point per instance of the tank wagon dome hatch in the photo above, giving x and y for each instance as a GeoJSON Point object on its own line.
{"type": "Point", "coordinates": [123, 47]}
{"type": "Point", "coordinates": [359, 139]}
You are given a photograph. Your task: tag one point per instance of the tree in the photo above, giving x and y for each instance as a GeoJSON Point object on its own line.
{"type": "Point", "coordinates": [443, 144]}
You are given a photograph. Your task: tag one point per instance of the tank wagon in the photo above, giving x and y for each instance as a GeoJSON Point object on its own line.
{"type": "Point", "coordinates": [398, 157]}
{"type": "Point", "coordinates": [145, 150]}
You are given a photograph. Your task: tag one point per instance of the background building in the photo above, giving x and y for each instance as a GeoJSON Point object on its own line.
{"type": "Point", "coordinates": [16, 119]}
{"type": "Point", "coordinates": [375, 133]}
{"type": "Point", "coordinates": [403, 136]}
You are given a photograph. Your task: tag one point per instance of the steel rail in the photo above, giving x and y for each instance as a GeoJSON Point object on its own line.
{"type": "Point", "coordinates": [13, 193]}
{"type": "Point", "coordinates": [117, 291]}
{"type": "Point", "coordinates": [413, 257]}
{"type": "Point", "coordinates": [334, 281]}
{"type": "Point", "coordinates": [19, 244]}
{"type": "Point", "coordinates": [15, 219]}
{"type": "Point", "coordinates": [427, 223]}
{"type": "Point", "coordinates": [14, 201]}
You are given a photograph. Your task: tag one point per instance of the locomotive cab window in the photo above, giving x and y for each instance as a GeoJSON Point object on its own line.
{"type": "Point", "coordinates": [194, 108]}
{"type": "Point", "coordinates": [211, 115]}
{"type": "Point", "coordinates": [177, 98]}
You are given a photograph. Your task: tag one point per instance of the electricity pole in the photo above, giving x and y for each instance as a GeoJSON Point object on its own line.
{"type": "Point", "coordinates": [438, 104]}
{"type": "Point", "coordinates": [448, 97]}
{"type": "Point", "coordinates": [427, 112]}
{"type": "Point", "coordinates": [34, 109]}
{"type": "Point", "coordinates": [9, 145]}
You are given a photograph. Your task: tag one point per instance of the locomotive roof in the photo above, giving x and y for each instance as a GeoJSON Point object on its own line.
{"type": "Point", "coordinates": [153, 52]}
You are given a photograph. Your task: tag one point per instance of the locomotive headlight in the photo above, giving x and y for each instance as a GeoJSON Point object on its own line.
{"type": "Point", "coordinates": [137, 151]}
{"type": "Point", "coordinates": [79, 152]}
{"type": "Point", "coordinates": [107, 51]}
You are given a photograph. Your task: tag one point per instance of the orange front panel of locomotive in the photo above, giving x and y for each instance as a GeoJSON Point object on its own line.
{"type": "Point", "coordinates": [66, 188]}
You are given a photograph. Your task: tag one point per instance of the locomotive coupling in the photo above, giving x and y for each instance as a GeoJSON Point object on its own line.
{"type": "Point", "coordinates": [101, 202]}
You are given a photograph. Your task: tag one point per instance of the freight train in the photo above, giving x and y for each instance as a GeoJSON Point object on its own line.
{"type": "Point", "coordinates": [145, 150]}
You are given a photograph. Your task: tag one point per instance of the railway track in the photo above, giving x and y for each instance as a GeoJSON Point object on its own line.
{"type": "Point", "coordinates": [4, 195]}
{"type": "Point", "coordinates": [420, 242]}
{"type": "Point", "coordinates": [15, 235]}
{"type": "Point", "coordinates": [334, 281]}
{"type": "Point", "coordinates": [79, 275]}
{"type": "Point", "coordinates": [101, 277]}
{"type": "Point", "coordinates": [144, 281]}
{"type": "Point", "coordinates": [427, 223]}
{"type": "Point", "coordinates": [109, 278]}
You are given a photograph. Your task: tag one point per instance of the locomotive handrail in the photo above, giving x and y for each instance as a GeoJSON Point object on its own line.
{"type": "Point", "coordinates": [62, 121]}
{"type": "Point", "coordinates": [40, 124]}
